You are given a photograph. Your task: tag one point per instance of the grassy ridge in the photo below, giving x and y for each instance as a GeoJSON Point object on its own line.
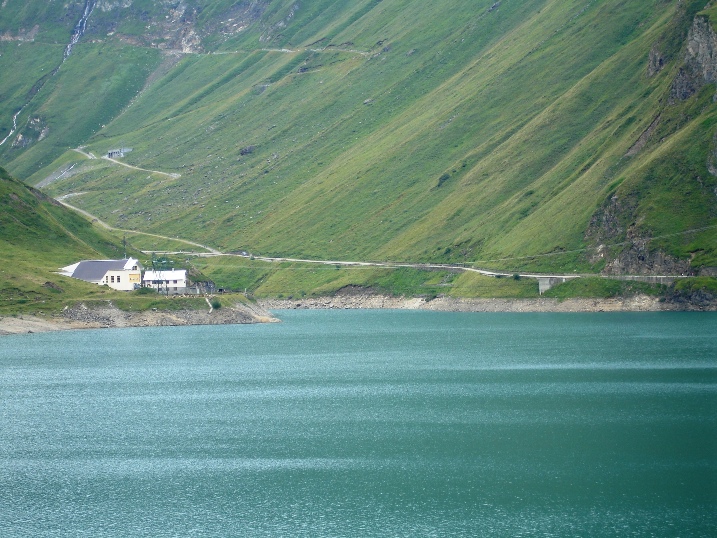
{"type": "Point", "coordinates": [454, 131]}
{"type": "Point", "coordinates": [37, 236]}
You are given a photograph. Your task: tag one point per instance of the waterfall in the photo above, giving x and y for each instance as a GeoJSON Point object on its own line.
{"type": "Point", "coordinates": [14, 125]}
{"type": "Point", "coordinates": [79, 30]}
{"type": "Point", "coordinates": [77, 34]}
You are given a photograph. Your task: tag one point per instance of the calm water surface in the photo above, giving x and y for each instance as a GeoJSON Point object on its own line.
{"type": "Point", "coordinates": [365, 423]}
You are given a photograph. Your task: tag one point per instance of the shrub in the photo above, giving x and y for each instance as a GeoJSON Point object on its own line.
{"type": "Point", "coordinates": [145, 291]}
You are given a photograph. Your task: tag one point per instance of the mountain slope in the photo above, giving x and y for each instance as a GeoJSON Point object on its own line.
{"type": "Point", "coordinates": [37, 236]}
{"type": "Point", "coordinates": [572, 135]}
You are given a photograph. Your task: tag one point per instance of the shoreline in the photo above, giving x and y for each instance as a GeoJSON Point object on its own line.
{"type": "Point", "coordinates": [638, 303]}
{"type": "Point", "coordinates": [80, 317]}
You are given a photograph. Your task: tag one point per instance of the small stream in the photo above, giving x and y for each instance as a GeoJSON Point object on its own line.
{"type": "Point", "coordinates": [79, 30]}
{"type": "Point", "coordinates": [14, 124]}
{"type": "Point", "coordinates": [77, 34]}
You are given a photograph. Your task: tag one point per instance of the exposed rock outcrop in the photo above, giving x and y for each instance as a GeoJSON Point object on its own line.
{"type": "Point", "coordinates": [80, 316]}
{"type": "Point", "coordinates": [615, 227]}
{"type": "Point", "coordinates": [656, 61]}
{"type": "Point", "coordinates": [639, 259]}
{"type": "Point", "coordinates": [700, 61]}
{"type": "Point", "coordinates": [22, 34]}
{"type": "Point", "coordinates": [110, 316]}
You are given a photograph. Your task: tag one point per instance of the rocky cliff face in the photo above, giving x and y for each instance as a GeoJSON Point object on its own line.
{"type": "Point", "coordinates": [170, 24]}
{"type": "Point", "coordinates": [614, 229]}
{"type": "Point", "coordinates": [621, 242]}
{"type": "Point", "coordinates": [700, 65]}
{"type": "Point", "coordinates": [702, 49]}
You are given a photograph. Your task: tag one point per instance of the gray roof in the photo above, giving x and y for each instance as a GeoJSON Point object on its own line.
{"type": "Point", "coordinates": [94, 270]}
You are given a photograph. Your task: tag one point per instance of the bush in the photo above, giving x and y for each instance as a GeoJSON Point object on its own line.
{"type": "Point", "coordinates": [216, 305]}
{"type": "Point", "coordinates": [145, 291]}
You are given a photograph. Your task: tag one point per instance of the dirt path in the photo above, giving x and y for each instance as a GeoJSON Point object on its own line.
{"type": "Point", "coordinates": [390, 265]}
{"type": "Point", "coordinates": [115, 161]}
{"type": "Point", "coordinates": [214, 252]}
{"type": "Point", "coordinates": [61, 199]}
{"type": "Point", "coordinates": [173, 176]}
{"type": "Point", "coordinates": [397, 265]}
{"type": "Point", "coordinates": [81, 152]}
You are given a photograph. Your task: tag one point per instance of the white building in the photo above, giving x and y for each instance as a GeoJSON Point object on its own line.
{"type": "Point", "coordinates": [124, 275]}
{"type": "Point", "coordinates": [174, 280]}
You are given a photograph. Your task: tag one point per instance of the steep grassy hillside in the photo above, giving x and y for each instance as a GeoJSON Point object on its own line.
{"type": "Point", "coordinates": [38, 236]}
{"type": "Point", "coordinates": [567, 135]}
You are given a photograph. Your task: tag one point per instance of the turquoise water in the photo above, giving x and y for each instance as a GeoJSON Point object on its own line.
{"type": "Point", "coordinates": [365, 423]}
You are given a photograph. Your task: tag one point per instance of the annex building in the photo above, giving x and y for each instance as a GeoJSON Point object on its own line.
{"type": "Point", "coordinates": [171, 281]}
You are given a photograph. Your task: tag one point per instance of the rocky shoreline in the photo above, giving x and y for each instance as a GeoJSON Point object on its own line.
{"type": "Point", "coordinates": [82, 317]}
{"type": "Point", "coordinates": [639, 303]}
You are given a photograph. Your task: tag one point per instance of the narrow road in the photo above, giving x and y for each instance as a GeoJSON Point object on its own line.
{"type": "Point", "coordinates": [390, 265]}
{"type": "Point", "coordinates": [173, 176]}
{"type": "Point", "coordinates": [211, 252]}
{"type": "Point", "coordinates": [88, 155]}
{"type": "Point", "coordinates": [115, 161]}
{"type": "Point", "coordinates": [61, 199]}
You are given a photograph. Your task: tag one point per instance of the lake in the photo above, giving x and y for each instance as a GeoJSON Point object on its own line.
{"type": "Point", "coordinates": [365, 423]}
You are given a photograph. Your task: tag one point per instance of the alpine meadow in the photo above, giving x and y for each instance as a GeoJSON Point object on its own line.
{"type": "Point", "coordinates": [563, 136]}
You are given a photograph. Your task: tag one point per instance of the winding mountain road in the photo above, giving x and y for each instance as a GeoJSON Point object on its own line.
{"type": "Point", "coordinates": [94, 219]}
{"type": "Point", "coordinates": [115, 161]}
{"type": "Point", "coordinates": [211, 252]}
{"type": "Point", "coordinates": [170, 175]}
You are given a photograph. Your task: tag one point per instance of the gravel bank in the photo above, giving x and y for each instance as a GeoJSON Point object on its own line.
{"type": "Point", "coordinates": [81, 317]}
{"type": "Point", "coordinates": [641, 303]}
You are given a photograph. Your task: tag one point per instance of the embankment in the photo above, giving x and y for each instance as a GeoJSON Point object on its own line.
{"type": "Point", "coordinates": [640, 303]}
{"type": "Point", "coordinates": [109, 316]}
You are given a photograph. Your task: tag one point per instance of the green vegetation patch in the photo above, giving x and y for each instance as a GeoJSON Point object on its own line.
{"type": "Point", "coordinates": [599, 287]}
{"type": "Point", "coordinates": [265, 279]}
{"type": "Point", "coordinates": [691, 285]}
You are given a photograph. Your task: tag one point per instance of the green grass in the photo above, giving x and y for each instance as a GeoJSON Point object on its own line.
{"type": "Point", "coordinates": [596, 287]}
{"type": "Point", "coordinates": [105, 78]}
{"type": "Point", "coordinates": [460, 134]}
{"type": "Point", "coordinates": [37, 237]}
{"type": "Point", "coordinates": [296, 280]}
{"type": "Point", "coordinates": [691, 285]}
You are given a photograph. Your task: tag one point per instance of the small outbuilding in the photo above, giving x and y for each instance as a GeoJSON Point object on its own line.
{"type": "Point", "coordinates": [171, 281]}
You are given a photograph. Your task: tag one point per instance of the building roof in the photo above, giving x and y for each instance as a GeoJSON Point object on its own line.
{"type": "Point", "coordinates": [95, 270]}
{"type": "Point", "coordinates": [172, 274]}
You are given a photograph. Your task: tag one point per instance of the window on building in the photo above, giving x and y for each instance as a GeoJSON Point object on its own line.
{"type": "Point", "coordinates": [112, 279]}
{"type": "Point", "coordinates": [118, 279]}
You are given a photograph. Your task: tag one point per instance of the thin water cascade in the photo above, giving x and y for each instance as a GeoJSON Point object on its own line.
{"type": "Point", "coordinates": [80, 27]}
{"type": "Point", "coordinates": [14, 125]}
{"type": "Point", "coordinates": [77, 34]}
